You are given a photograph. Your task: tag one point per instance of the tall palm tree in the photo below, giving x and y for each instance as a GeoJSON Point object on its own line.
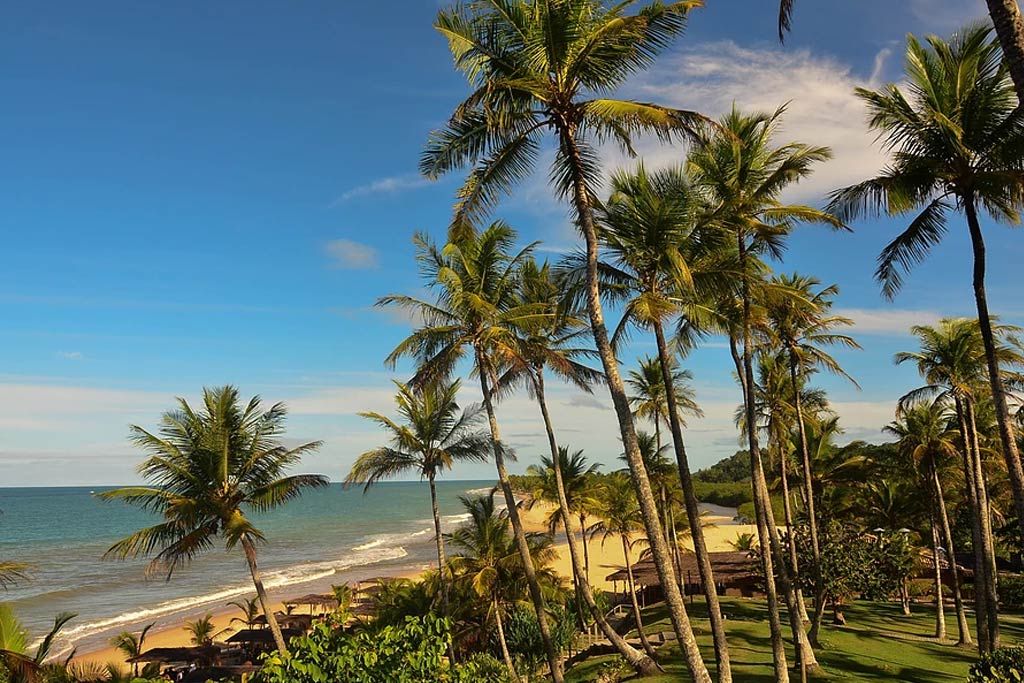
{"type": "Point", "coordinates": [657, 259]}
{"type": "Point", "coordinates": [547, 66]}
{"type": "Point", "coordinates": [130, 644]}
{"type": "Point", "coordinates": [926, 440]}
{"type": "Point", "coordinates": [207, 468]}
{"type": "Point", "coordinates": [773, 408]}
{"type": "Point", "coordinates": [741, 174]}
{"type": "Point", "coordinates": [619, 515]}
{"type": "Point", "coordinates": [799, 324]}
{"type": "Point", "coordinates": [488, 558]}
{"type": "Point", "coordinates": [956, 135]}
{"type": "Point", "coordinates": [477, 311]}
{"type": "Point", "coordinates": [952, 362]}
{"type": "Point", "coordinates": [432, 436]}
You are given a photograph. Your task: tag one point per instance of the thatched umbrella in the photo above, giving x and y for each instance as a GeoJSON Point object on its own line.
{"type": "Point", "coordinates": [326, 601]}
{"type": "Point", "coordinates": [178, 655]}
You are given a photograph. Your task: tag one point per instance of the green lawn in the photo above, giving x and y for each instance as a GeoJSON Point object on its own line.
{"type": "Point", "coordinates": [871, 647]}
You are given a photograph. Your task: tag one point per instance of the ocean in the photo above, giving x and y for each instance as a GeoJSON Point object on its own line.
{"type": "Point", "coordinates": [329, 536]}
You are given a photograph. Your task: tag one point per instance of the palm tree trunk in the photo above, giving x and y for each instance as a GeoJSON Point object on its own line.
{"type": "Point", "coordinates": [991, 575]}
{"type": "Point", "coordinates": [586, 548]}
{"type": "Point", "coordinates": [648, 509]}
{"type": "Point", "coordinates": [529, 569]}
{"type": "Point", "coordinates": [940, 611]}
{"type": "Point", "coordinates": [787, 511]}
{"type": "Point", "coordinates": [261, 592]}
{"type": "Point", "coordinates": [808, 486]}
{"type": "Point", "coordinates": [700, 547]}
{"type": "Point", "coordinates": [643, 664]}
{"type": "Point", "coordinates": [502, 643]}
{"type": "Point", "coordinates": [637, 617]}
{"type": "Point", "coordinates": [1006, 435]}
{"type": "Point", "coordinates": [964, 631]}
{"type": "Point", "coordinates": [977, 546]}
{"type": "Point", "coordinates": [1010, 28]}
{"type": "Point", "coordinates": [441, 564]}
{"type": "Point", "coordinates": [768, 532]}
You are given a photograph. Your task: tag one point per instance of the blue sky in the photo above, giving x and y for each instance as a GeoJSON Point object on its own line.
{"type": "Point", "coordinates": [200, 193]}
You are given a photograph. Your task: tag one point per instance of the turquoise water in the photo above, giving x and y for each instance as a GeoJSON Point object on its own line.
{"type": "Point", "coordinates": [327, 536]}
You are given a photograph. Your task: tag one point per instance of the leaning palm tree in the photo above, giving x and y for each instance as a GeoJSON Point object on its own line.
{"type": "Point", "coordinates": [206, 469]}
{"type": "Point", "coordinates": [741, 174]}
{"type": "Point", "coordinates": [799, 325]}
{"type": "Point", "coordinates": [657, 260]}
{"type": "Point", "coordinates": [477, 311]}
{"type": "Point", "coordinates": [619, 515]}
{"type": "Point", "coordinates": [434, 434]}
{"type": "Point", "coordinates": [547, 66]}
{"type": "Point", "coordinates": [130, 644]}
{"type": "Point", "coordinates": [926, 440]}
{"type": "Point", "coordinates": [550, 342]}
{"type": "Point", "coordinates": [955, 134]}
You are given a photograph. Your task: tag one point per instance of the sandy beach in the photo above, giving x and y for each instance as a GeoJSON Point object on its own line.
{"type": "Point", "coordinates": [605, 558]}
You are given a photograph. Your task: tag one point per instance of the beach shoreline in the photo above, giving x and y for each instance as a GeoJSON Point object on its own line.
{"type": "Point", "coordinates": [605, 558]}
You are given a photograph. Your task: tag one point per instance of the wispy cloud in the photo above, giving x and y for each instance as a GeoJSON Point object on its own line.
{"type": "Point", "coordinates": [822, 108]}
{"type": "Point", "coordinates": [887, 321]}
{"type": "Point", "coordinates": [388, 185]}
{"type": "Point", "coordinates": [352, 255]}
{"type": "Point", "coordinates": [70, 355]}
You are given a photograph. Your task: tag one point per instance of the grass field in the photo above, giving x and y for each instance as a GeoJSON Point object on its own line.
{"type": "Point", "coordinates": [877, 644]}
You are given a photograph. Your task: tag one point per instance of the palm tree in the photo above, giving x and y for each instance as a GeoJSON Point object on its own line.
{"type": "Point", "coordinates": [202, 631]}
{"type": "Point", "coordinates": [539, 66]}
{"type": "Point", "coordinates": [130, 644]}
{"type": "Point", "coordinates": [741, 175]}
{"type": "Point", "coordinates": [926, 440]}
{"type": "Point", "coordinates": [490, 560]}
{"type": "Point", "coordinates": [433, 436]}
{"type": "Point", "coordinates": [11, 573]}
{"type": "Point", "coordinates": [648, 399]}
{"type": "Point", "coordinates": [619, 513]}
{"type": "Point", "coordinates": [22, 666]}
{"type": "Point", "coordinates": [799, 325]}
{"type": "Point", "coordinates": [658, 259]}
{"type": "Point", "coordinates": [549, 342]}
{"type": "Point", "coordinates": [250, 609]}
{"type": "Point", "coordinates": [773, 408]}
{"type": "Point", "coordinates": [477, 310]}
{"type": "Point", "coordinates": [206, 469]}
{"type": "Point", "coordinates": [952, 362]}
{"type": "Point", "coordinates": [955, 138]}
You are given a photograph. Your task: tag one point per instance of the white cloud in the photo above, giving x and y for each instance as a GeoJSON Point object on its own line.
{"type": "Point", "coordinates": [383, 186]}
{"type": "Point", "coordinates": [350, 254]}
{"type": "Point", "coordinates": [887, 321]}
{"type": "Point", "coordinates": [822, 108]}
{"type": "Point", "coordinates": [70, 355]}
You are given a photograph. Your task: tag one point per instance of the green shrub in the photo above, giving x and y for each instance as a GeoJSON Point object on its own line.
{"type": "Point", "coordinates": [727, 494]}
{"type": "Point", "coordinates": [1005, 665]}
{"type": "Point", "coordinates": [1011, 590]}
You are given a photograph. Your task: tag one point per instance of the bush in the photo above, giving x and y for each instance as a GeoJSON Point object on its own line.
{"type": "Point", "coordinates": [727, 494]}
{"type": "Point", "coordinates": [522, 632]}
{"type": "Point", "coordinates": [1011, 591]}
{"type": "Point", "coordinates": [1005, 665]}
{"type": "Point", "coordinates": [411, 653]}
